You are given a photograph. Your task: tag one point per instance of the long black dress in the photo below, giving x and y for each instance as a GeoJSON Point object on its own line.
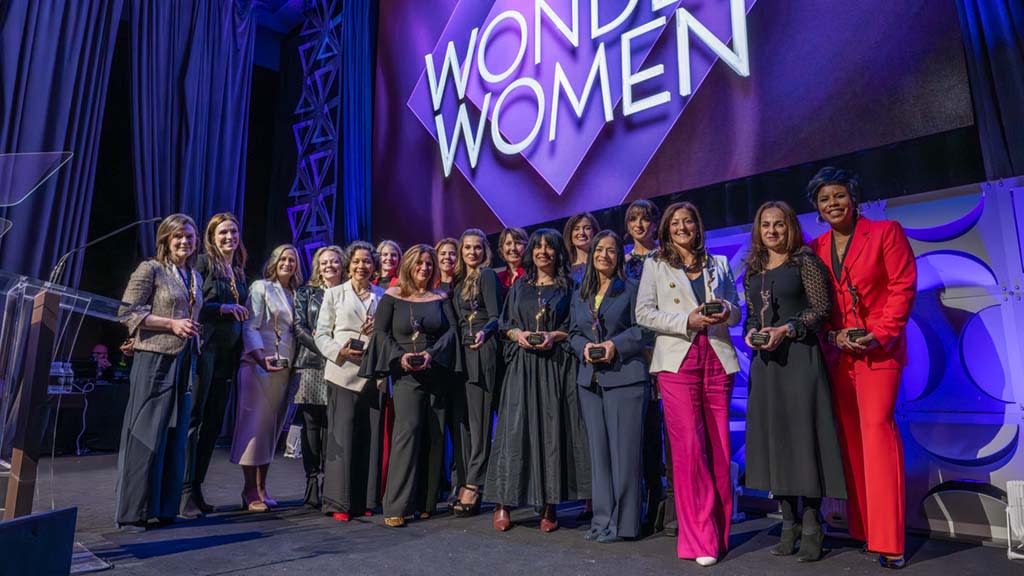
{"type": "Point", "coordinates": [540, 453]}
{"type": "Point", "coordinates": [419, 397]}
{"type": "Point", "coordinates": [792, 446]}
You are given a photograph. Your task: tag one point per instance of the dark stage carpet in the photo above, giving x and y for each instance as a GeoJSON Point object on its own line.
{"type": "Point", "coordinates": [293, 540]}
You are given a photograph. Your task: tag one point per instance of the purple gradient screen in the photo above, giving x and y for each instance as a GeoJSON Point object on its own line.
{"type": "Point", "coordinates": [821, 78]}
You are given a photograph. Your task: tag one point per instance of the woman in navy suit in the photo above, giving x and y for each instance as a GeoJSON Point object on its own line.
{"type": "Point", "coordinates": [614, 387]}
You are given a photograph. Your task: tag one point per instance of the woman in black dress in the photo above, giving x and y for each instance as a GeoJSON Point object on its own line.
{"type": "Point", "coordinates": [414, 342]}
{"type": "Point", "coordinates": [614, 388]}
{"type": "Point", "coordinates": [225, 291]}
{"type": "Point", "coordinates": [311, 395]}
{"type": "Point", "coordinates": [539, 456]}
{"type": "Point", "coordinates": [792, 447]}
{"type": "Point", "coordinates": [477, 297]}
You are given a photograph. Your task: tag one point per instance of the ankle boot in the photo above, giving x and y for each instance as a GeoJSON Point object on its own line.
{"type": "Point", "coordinates": [811, 537]}
{"type": "Point", "coordinates": [787, 543]}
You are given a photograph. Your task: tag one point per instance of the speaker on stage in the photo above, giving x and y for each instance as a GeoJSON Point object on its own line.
{"type": "Point", "coordinates": [38, 544]}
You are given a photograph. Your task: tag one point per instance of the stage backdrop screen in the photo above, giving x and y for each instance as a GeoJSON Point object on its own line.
{"type": "Point", "coordinates": [512, 112]}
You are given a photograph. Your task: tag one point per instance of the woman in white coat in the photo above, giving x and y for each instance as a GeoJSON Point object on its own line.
{"type": "Point", "coordinates": [354, 427]}
{"type": "Point", "coordinates": [263, 376]}
{"type": "Point", "coordinates": [688, 298]}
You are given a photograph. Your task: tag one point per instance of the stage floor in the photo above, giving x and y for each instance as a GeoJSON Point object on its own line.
{"type": "Point", "coordinates": [294, 540]}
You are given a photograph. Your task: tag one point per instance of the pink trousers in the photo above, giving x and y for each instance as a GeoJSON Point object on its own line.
{"type": "Point", "coordinates": [696, 404]}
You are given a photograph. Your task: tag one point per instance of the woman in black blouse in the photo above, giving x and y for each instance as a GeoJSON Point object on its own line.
{"type": "Point", "coordinates": [414, 341]}
{"type": "Point", "coordinates": [477, 298]}
{"type": "Point", "coordinates": [224, 294]}
{"type": "Point", "coordinates": [792, 446]}
{"type": "Point", "coordinates": [311, 396]}
{"type": "Point", "coordinates": [539, 456]}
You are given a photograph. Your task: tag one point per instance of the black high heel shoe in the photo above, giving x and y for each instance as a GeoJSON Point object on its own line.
{"type": "Point", "coordinates": [787, 542]}
{"type": "Point", "coordinates": [463, 510]}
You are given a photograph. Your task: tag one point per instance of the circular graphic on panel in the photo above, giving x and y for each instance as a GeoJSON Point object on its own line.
{"type": "Point", "coordinates": [984, 354]}
{"type": "Point", "coordinates": [925, 361]}
{"type": "Point", "coordinates": [970, 445]}
{"type": "Point", "coordinates": [952, 269]}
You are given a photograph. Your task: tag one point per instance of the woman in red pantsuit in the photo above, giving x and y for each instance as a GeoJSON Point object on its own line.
{"type": "Point", "coordinates": [874, 279]}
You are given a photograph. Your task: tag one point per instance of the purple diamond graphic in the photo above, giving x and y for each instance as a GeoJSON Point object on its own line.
{"type": "Point", "coordinates": [598, 158]}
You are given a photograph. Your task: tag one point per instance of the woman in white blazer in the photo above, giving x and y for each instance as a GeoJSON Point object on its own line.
{"type": "Point", "coordinates": [695, 363]}
{"type": "Point", "coordinates": [354, 426]}
{"type": "Point", "coordinates": [264, 374]}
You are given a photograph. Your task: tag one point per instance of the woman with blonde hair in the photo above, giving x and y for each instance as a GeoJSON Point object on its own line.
{"type": "Point", "coordinates": [225, 291]}
{"type": "Point", "coordinates": [311, 395]}
{"type": "Point", "coordinates": [389, 254]}
{"type": "Point", "coordinates": [151, 461]}
{"type": "Point", "coordinates": [263, 379]}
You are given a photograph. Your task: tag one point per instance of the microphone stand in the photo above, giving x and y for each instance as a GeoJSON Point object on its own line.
{"type": "Point", "coordinates": [58, 271]}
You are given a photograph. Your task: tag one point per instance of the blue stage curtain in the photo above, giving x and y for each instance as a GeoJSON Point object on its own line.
{"type": "Point", "coordinates": [191, 81]}
{"type": "Point", "coordinates": [54, 65]}
{"type": "Point", "coordinates": [358, 43]}
{"type": "Point", "coordinates": [993, 32]}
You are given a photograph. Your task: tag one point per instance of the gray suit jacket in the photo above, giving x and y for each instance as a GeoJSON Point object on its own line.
{"type": "Point", "coordinates": [163, 288]}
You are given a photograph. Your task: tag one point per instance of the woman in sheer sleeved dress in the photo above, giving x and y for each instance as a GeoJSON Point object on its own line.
{"type": "Point", "coordinates": [792, 446]}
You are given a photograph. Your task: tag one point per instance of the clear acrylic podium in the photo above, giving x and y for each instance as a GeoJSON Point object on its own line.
{"type": "Point", "coordinates": [39, 325]}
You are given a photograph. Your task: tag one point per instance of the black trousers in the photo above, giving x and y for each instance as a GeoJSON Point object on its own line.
{"type": "Point", "coordinates": [151, 461]}
{"type": "Point", "coordinates": [417, 441]}
{"type": "Point", "coordinates": [472, 409]}
{"type": "Point", "coordinates": [314, 427]}
{"type": "Point", "coordinates": [352, 451]}
{"type": "Point", "coordinates": [215, 371]}
{"type": "Point", "coordinates": [660, 499]}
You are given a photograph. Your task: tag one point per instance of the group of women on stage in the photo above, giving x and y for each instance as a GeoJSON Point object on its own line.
{"type": "Point", "coordinates": [572, 345]}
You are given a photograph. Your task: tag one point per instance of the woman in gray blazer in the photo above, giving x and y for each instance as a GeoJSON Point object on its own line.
{"type": "Point", "coordinates": [354, 427]}
{"type": "Point", "coordinates": [151, 462]}
{"type": "Point", "coordinates": [614, 387]}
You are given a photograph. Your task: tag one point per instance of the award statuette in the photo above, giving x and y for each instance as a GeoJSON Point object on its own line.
{"type": "Point", "coordinates": [536, 338]}
{"type": "Point", "coordinates": [277, 361]}
{"type": "Point", "coordinates": [711, 306]}
{"type": "Point", "coordinates": [595, 353]}
{"type": "Point", "coordinates": [470, 337]}
{"type": "Point", "coordinates": [416, 361]}
{"type": "Point", "coordinates": [357, 343]}
{"type": "Point", "coordinates": [760, 339]}
{"type": "Point", "coordinates": [858, 331]}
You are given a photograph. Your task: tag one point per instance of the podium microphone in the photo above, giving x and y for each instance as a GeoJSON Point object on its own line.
{"type": "Point", "coordinates": [58, 270]}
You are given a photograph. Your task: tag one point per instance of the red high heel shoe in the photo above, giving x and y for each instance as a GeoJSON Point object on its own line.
{"type": "Point", "coordinates": [502, 521]}
{"type": "Point", "coordinates": [341, 516]}
{"type": "Point", "coordinates": [548, 519]}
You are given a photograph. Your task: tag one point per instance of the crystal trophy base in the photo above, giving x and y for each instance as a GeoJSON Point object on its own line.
{"type": "Point", "coordinates": [354, 344]}
{"type": "Point", "coordinates": [856, 333]}
{"type": "Point", "coordinates": [596, 353]}
{"type": "Point", "coordinates": [279, 362]}
{"type": "Point", "coordinates": [535, 338]}
{"type": "Point", "coordinates": [714, 307]}
{"type": "Point", "coordinates": [416, 361]}
{"type": "Point", "coordinates": [760, 339]}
